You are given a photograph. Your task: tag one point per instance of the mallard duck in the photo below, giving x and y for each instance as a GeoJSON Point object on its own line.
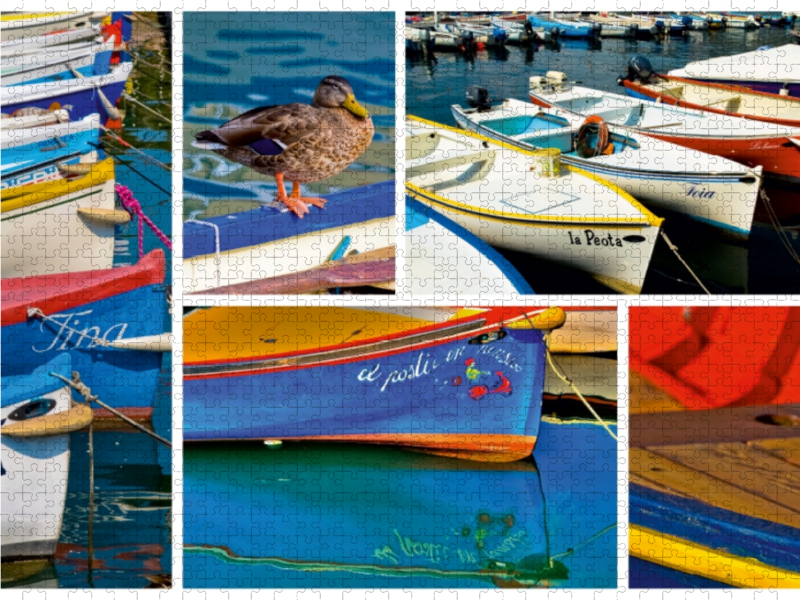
{"type": "Point", "coordinates": [299, 142]}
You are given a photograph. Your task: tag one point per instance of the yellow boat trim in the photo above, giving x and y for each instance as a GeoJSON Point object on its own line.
{"type": "Point", "coordinates": [521, 220]}
{"type": "Point", "coordinates": [74, 419]}
{"type": "Point", "coordinates": [29, 195]}
{"type": "Point", "coordinates": [618, 285]}
{"type": "Point", "coordinates": [10, 17]}
{"type": "Point", "coordinates": [688, 557]}
{"type": "Point", "coordinates": [223, 333]}
{"type": "Point", "coordinates": [652, 219]}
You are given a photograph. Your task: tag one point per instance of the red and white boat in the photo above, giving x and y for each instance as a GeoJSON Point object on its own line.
{"type": "Point", "coordinates": [732, 100]}
{"type": "Point", "coordinates": [774, 147]}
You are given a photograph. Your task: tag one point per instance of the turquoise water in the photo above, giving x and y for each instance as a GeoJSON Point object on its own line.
{"type": "Point", "coordinates": [234, 62]}
{"type": "Point", "coordinates": [761, 265]}
{"type": "Point", "coordinates": [323, 515]}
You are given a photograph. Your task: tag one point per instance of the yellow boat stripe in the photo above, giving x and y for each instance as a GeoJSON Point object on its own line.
{"type": "Point", "coordinates": [8, 17]}
{"type": "Point", "coordinates": [520, 220]}
{"type": "Point", "coordinates": [29, 195]}
{"type": "Point", "coordinates": [689, 557]}
{"type": "Point", "coordinates": [651, 218]}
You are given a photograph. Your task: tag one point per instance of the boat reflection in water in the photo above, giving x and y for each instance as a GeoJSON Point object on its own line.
{"type": "Point", "coordinates": [340, 515]}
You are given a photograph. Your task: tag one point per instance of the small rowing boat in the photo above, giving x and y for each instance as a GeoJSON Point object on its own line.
{"type": "Point", "coordinates": [771, 70]}
{"type": "Point", "coordinates": [735, 101]}
{"type": "Point", "coordinates": [513, 198]}
{"type": "Point", "coordinates": [37, 417]}
{"type": "Point", "coordinates": [53, 62]}
{"type": "Point", "coordinates": [38, 154]}
{"type": "Point", "coordinates": [46, 226]}
{"type": "Point", "coordinates": [267, 242]}
{"type": "Point", "coordinates": [18, 26]}
{"type": "Point", "coordinates": [96, 318]}
{"type": "Point", "coordinates": [456, 382]}
{"type": "Point", "coordinates": [710, 189]}
{"type": "Point", "coordinates": [443, 258]}
{"type": "Point", "coordinates": [85, 95]}
{"type": "Point", "coordinates": [776, 148]}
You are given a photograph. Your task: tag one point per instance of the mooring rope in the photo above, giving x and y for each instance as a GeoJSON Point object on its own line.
{"type": "Point", "coordinates": [133, 207]}
{"type": "Point", "coordinates": [84, 390]}
{"type": "Point", "coordinates": [135, 149]}
{"type": "Point", "coordinates": [782, 235]}
{"type": "Point", "coordinates": [568, 381]}
{"type": "Point", "coordinates": [144, 106]}
{"type": "Point", "coordinates": [112, 110]}
{"type": "Point", "coordinates": [674, 249]}
{"type": "Point", "coordinates": [218, 259]}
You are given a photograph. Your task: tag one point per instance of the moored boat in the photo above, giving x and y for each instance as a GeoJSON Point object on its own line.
{"type": "Point", "coordinates": [710, 189]}
{"type": "Point", "coordinates": [266, 242]}
{"type": "Point", "coordinates": [776, 148]}
{"type": "Point", "coordinates": [516, 199]}
{"type": "Point", "coordinates": [566, 29]}
{"type": "Point", "coordinates": [613, 27]}
{"type": "Point", "coordinates": [96, 317]}
{"type": "Point", "coordinates": [520, 30]}
{"type": "Point", "coordinates": [16, 26]}
{"type": "Point", "coordinates": [443, 258]}
{"type": "Point", "coordinates": [46, 229]}
{"type": "Point", "coordinates": [81, 94]}
{"type": "Point", "coordinates": [68, 38]}
{"type": "Point", "coordinates": [464, 383]}
{"type": "Point", "coordinates": [735, 101]}
{"type": "Point", "coordinates": [692, 22]}
{"type": "Point", "coordinates": [771, 70]}
{"type": "Point", "coordinates": [37, 417]}
{"type": "Point", "coordinates": [52, 63]}
{"type": "Point", "coordinates": [733, 21]}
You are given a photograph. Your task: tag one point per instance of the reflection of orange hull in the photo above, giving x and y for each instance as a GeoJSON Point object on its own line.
{"type": "Point", "coordinates": [480, 447]}
{"type": "Point", "coordinates": [78, 556]}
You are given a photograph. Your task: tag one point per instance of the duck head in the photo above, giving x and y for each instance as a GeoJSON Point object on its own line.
{"type": "Point", "coordinates": [336, 92]}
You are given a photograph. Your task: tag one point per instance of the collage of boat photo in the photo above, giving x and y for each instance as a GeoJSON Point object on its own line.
{"type": "Point", "coordinates": [386, 299]}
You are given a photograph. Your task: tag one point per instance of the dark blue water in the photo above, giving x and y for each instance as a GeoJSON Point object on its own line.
{"type": "Point", "coordinates": [237, 61]}
{"type": "Point", "coordinates": [324, 515]}
{"type": "Point", "coordinates": [761, 265]}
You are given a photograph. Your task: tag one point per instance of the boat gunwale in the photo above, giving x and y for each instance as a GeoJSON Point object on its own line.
{"type": "Point", "coordinates": [536, 220]}
{"type": "Point", "coordinates": [592, 166]}
{"type": "Point", "coordinates": [673, 134]}
{"type": "Point", "coordinates": [427, 336]}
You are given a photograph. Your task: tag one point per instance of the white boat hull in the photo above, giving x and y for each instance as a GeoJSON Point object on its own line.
{"type": "Point", "coordinates": [34, 490]}
{"type": "Point", "coordinates": [19, 29]}
{"type": "Point", "coordinates": [283, 257]}
{"type": "Point", "coordinates": [51, 237]}
{"type": "Point", "coordinates": [600, 250]}
{"type": "Point", "coordinates": [51, 62]}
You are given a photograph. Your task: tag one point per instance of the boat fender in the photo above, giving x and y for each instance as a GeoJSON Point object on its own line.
{"type": "Point", "coordinates": [593, 125]}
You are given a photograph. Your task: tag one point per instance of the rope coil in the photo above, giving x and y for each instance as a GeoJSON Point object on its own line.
{"type": "Point", "coordinates": [133, 207]}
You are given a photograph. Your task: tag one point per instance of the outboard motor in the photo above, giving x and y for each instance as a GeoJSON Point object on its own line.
{"type": "Point", "coordinates": [639, 68]}
{"type": "Point", "coordinates": [687, 21]}
{"type": "Point", "coordinates": [478, 97]}
{"type": "Point", "coordinates": [500, 34]}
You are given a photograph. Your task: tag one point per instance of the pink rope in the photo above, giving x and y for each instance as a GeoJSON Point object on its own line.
{"type": "Point", "coordinates": [134, 209]}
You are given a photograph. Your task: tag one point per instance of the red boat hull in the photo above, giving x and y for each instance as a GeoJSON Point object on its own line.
{"type": "Point", "coordinates": [670, 101]}
{"type": "Point", "coordinates": [779, 156]}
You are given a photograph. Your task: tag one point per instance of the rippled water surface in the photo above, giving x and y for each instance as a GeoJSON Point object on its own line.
{"type": "Point", "coordinates": [234, 62]}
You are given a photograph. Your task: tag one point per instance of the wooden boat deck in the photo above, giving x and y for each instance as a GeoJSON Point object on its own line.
{"type": "Point", "coordinates": [714, 492]}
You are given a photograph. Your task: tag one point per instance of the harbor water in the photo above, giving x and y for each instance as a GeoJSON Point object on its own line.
{"type": "Point", "coordinates": [235, 62]}
{"type": "Point", "coordinates": [435, 81]}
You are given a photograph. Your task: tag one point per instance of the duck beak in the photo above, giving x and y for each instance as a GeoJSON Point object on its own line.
{"type": "Point", "coordinates": [354, 107]}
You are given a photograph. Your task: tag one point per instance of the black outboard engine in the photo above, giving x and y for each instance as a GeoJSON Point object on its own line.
{"type": "Point", "coordinates": [478, 97]}
{"type": "Point", "coordinates": [687, 21]}
{"type": "Point", "coordinates": [639, 68]}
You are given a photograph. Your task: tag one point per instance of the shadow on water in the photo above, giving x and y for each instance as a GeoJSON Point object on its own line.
{"type": "Point", "coordinates": [762, 264]}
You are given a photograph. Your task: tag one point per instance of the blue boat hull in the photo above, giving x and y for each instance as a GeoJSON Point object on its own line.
{"type": "Point", "coordinates": [84, 102]}
{"type": "Point", "coordinates": [449, 395]}
{"type": "Point", "coordinates": [565, 29]}
{"type": "Point", "coordinates": [124, 379]}
{"type": "Point", "coordinates": [26, 158]}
